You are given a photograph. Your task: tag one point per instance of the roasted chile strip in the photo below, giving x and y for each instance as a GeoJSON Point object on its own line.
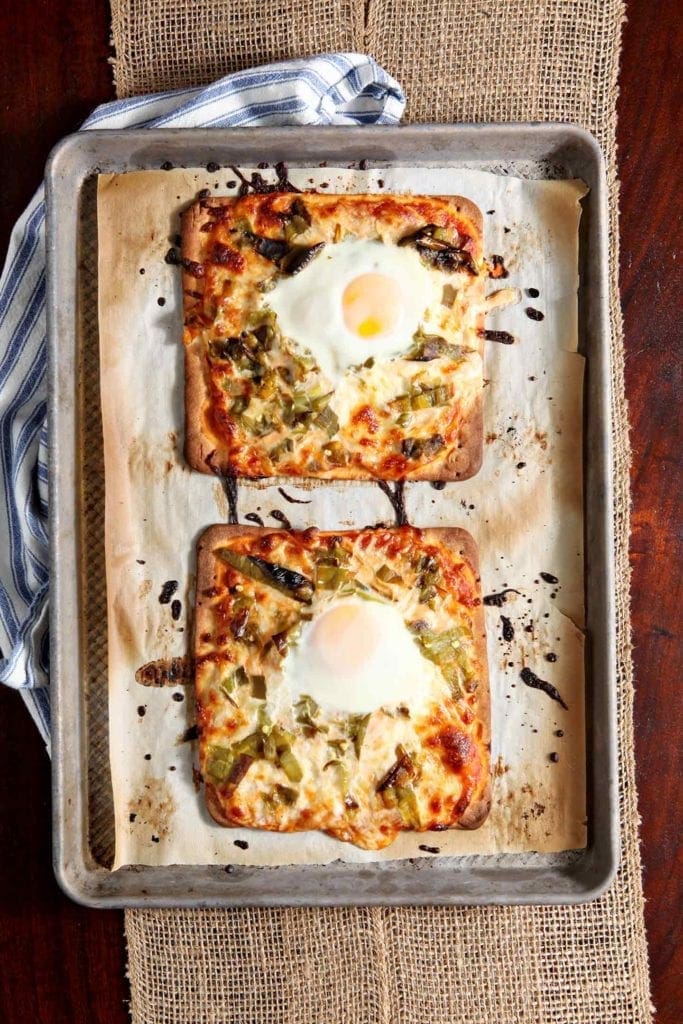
{"type": "Point", "coordinates": [290, 259]}
{"type": "Point", "coordinates": [287, 581]}
{"type": "Point", "coordinates": [403, 763]}
{"type": "Point", "coordinates": [438, 252]}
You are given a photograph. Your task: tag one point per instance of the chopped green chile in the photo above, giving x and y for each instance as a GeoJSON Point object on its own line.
{"type": "Point", "coordinates": [331, 577]}
{"type": "Point", "coordinates": [327, 421]}
{"type": "Point", "coordinates": [432, 346]}
{"type": "Point", "coordinates": [258, 687]}
{"type": "Point", "coordinates": [407, 805]}
{"type": "Point", "coordinates": [336, 453]}
{"type": "Point", "coordinates": [285, 794]}
{"type": "Point", "coordinates": [284, 447]}
{"type": "Point", "coordinates": [446, 651]}
{"type": "Point", "coordinates": [422, 447]}
{"type": "Point", "coordinates": [387, 575]}
{"type": "Point", "coordinates": [276, 742]}
{"type": "Point", "coordinates": [306, 711]}
{"type": "Point", "coordinates": [357, 728]}
{"type": "Point", "coordinates": [253, 745]}
{"type": "Point", "coordinates": [219, 763]}
{"type": "Point", "coordinates": [290, 765]}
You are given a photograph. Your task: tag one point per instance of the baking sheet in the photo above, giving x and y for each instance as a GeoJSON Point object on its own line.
{"type": "Point", "coordinates": [524, 509]}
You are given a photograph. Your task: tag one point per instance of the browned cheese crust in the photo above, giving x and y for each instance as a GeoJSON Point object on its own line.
{"type": "Point", "coordinates": [270, 762]}
{"type": "Point", "coordinates": [256, 402]}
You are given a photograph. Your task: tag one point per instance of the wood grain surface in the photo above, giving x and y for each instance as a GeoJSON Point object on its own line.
{"type": "Point", "coordinates": [62, 963]}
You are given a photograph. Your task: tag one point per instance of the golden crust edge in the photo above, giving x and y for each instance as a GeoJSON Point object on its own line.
{"type": "Point", "coordinates": [452, 537]}
{"type": "Point", "coordinates": [198, 443]}
{"type": "Point", "coordinates": [455, 538]}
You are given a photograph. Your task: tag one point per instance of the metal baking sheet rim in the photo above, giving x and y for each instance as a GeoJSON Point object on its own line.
{"type": "Point", "coordinates": [503, 879]}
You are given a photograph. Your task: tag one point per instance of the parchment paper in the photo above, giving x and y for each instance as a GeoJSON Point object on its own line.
{"type": "Point", "coordinates": [524, 509]}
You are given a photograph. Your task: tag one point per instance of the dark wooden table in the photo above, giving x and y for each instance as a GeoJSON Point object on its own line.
{"type": "Point", "coordinates": [62, 963]}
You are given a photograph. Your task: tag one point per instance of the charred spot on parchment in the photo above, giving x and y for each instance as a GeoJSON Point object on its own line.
{"type": "Point", "coordinates": [396, 496]}
{"type": "Point", "coordinates": [153, 808]}
{"type": "Point", "coordinates": [166, 672]}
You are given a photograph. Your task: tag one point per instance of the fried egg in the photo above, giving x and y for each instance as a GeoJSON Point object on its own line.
{"type": "Point", "coordinates": [357, 299]}
{"type": "Point", "coordinates": [356, 656]}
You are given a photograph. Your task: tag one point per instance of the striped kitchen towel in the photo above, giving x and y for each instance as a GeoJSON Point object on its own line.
{"type": "Point", "coordinates": [336, 88]}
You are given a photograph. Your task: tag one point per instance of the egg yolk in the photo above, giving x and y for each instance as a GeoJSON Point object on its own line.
{"type": "Point", "coordinates": [371, 305]}
{"type": "Point", "coordinates": [344, 634]}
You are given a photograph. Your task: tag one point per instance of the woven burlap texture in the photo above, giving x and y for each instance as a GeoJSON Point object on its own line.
{"type": "Point", "coordinates": [463, 60]}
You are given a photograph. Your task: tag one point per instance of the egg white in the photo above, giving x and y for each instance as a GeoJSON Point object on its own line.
{"type": "Point", "coordinates": [309, 305]}
{"type": "Point", "coordinates": [388, 670]}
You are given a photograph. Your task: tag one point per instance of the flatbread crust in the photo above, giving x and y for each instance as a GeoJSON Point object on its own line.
{"type": "Point", "coordinates": [455, 540]}
{"type": "Point", "coordinates": [206, 449]}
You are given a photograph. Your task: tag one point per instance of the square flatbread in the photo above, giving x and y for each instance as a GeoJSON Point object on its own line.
{"type": "Point", "coordinates": [334, 336]}
{"type": "Point", "coordinates": [341, 681]}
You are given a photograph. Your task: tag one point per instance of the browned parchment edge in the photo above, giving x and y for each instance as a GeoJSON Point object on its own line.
{"type": "Point", "coordinates": [452, 537]}
{"type": "Point", "coordinates": [204, 452]}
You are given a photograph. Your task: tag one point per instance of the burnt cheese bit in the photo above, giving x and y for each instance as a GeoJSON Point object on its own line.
{"type": "Point", "coordinates": [508, 629]}
{"type": "Point", "coordinates": [499, 599]}
{"type": "Point", "coordinates": [176, 609]}
{"type": "Point", "coordinates": [167, 591]}
{"type": "Point", "coordinates": [534, 314]}
{"type": "Point", "coordinates": [167, 166]}
{"type": "Point", "coordinates": [530, 678]}
{"type": "Point", "coordinates": [241, 843]}
{"type": "Point", "coordinates": [212, 167]}
{"type": "Point", "coordinates": [532, 293]}
{"type": "Point", "coordinates": [554, 757]}
{"type": "Point", "coordinates": [497, 267]}
{"type": "Point", "coordinates": [281, 518]}
{"type": "Point", "coordinates": [548, 577]}
{"type": "Point", "coordinates": [429, 849]}
{"type": "Point", "coordinates": [502, 337]}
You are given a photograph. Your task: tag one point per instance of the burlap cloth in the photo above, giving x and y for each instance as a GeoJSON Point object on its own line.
{"type": "Point", "coordinates": [463, 60]}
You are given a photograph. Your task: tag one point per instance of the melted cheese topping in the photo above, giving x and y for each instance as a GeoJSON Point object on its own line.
{"type": "Point", "coordinates": [276, 344]}
{"type": "Point", "coordinates": [354, 711]}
